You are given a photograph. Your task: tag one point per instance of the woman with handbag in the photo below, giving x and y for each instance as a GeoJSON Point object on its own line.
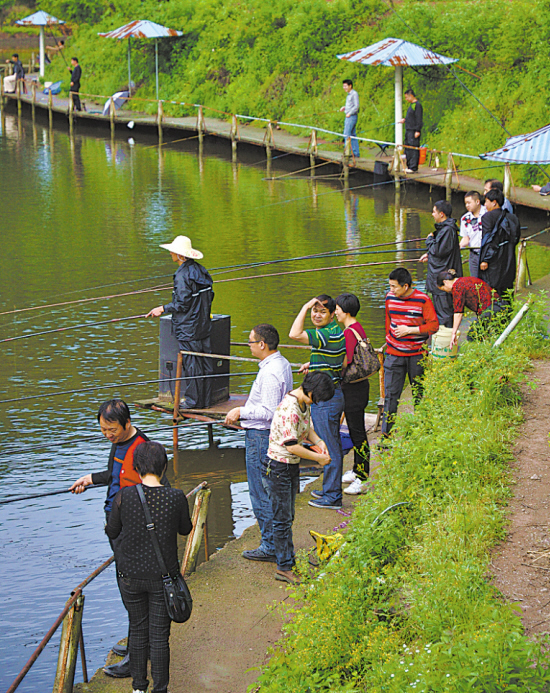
{"type": "Point", "coordinates": [356, 394]}
{"type": "Point", "coordinates": [142, 572]}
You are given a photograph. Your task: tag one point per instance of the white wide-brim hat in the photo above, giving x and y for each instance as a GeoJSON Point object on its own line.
{"type": "Point", "coordinates": [181, 245]}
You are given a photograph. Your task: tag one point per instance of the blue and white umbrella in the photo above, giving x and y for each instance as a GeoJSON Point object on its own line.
{"type": "Point", "coordinates": [532, 148]}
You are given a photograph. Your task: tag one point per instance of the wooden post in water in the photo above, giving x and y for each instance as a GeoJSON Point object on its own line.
{"type": "Point", "coordinates": [32, 63]}
{"type": "Point", "coordinates": [160, 116]}
{"type": "Point", "coordinates": [50, 105]}
{"type": "Point", "coordinates": [269, 143]}
{"type": "Point", "coordinates": [71, 115]}
{"type": "Point", "coordinates": [449, 177]}
{"type": "Point", "coordinates": [177, 396]}
{"type": "Point", "coordinates": [234, 134]}
{"type": "Point", "coordinates": [521, 276]}
{"type": "Point", "coordinates": [347, 155]}
{"type": "Point", "coordinates": [1, 95]}
{"type": "Point", "coordinates": [68, 649]}
{"type": "Point", "coordinates": [396, 166]}
{"type": "Point", "coordinates": [33, 88]}
{"type": "Point", "coordinates": [200, 125]}
{"type": "Point", "coordinates": [18, 93]}
{"type": "Point", "coordinates": [200, 511]}
{"type": "Point", "coordinates": [313, 152]}
{"type": "Point", "coordinates": [507, 180]}
{"type": "Point", "coordinates": [112, 115]}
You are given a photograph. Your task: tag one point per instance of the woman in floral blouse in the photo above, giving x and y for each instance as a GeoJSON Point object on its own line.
{"type": "Point", "coordinates": [290, 427]}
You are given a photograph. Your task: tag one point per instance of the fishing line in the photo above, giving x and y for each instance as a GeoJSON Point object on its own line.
{"type": "Point", "coordinates": [119, 385]}
{"type": "Point", "coordinates": [44, 495]}
{"type": "Point", "coordinates": [71, 327]}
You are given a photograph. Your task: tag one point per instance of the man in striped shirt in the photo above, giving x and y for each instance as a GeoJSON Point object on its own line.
{"type": "Point", "coordinates": [410, 320]}
{"type": "Point", "coordinates": [328, 348]}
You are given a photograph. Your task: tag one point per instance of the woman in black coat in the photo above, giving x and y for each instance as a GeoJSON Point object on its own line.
{"type": "Point", "coordinates": [138, 570]}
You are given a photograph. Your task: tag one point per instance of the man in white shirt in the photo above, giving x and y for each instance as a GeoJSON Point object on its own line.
{"type": "Point", "coordinates": [470, 229]}
{"type": "Point", "coordinates": [272, 383]}
{"type": "Point", "coordinates": [351, 109]}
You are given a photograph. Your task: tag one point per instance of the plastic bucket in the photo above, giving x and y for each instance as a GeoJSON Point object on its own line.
{"type": "Point", "coordinates": [422, 152]}
{"type": "Point", "coordinates": [440, 344]}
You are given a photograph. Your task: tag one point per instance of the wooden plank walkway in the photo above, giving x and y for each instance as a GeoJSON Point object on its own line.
{"type": "Point", "coordinates": [283, 141]}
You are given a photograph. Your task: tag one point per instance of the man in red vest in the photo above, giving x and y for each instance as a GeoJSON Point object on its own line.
{"type": "Point", "coordinates": [116, 425]}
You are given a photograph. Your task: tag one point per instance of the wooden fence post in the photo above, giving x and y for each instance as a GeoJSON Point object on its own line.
{"type": "Point", "coordinates": [160, 116]}
{"type": "Point", "coordinates": [50, 106]}
{"type": "Point", "coordinates": [200, 124]}
{"type": "Point", "coordinates": [71, 114]}
{"type": "Point", "coordinates": [112, 115]}
{"type": "Point", "coordinates": [68, 649]}
{"type": "Point", "coordinates": [521, 276]}
{"type": "Point", "coordinates": [200, 512]}
{"type": "Point", "coordinates": [347, 155]}
{"type": "Point", "coordinates": [18, 93]}
{"type": "Point", "coordinates": [449, 177]}
{"type": "Point", "coordinates": [507, 180]}
{"type": "Point", "coordinates": [312, 151]}
{"type": "Point", "coordinates": [234, 135]}
{"type": "Point", "coordinates": [177, 396]}
{"type": "Point", "coordinates": [33, 88]}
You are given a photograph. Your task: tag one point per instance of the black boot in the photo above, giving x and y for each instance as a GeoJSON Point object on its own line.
{"type": "Point", "coordinates": [120, 670]}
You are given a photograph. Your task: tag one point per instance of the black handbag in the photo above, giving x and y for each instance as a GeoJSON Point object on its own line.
{"type": "Point", "coordinates": [364, 363]}
{"type": "Point", "coordinates": [177, 596]}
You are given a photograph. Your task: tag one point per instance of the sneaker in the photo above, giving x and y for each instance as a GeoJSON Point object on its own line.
{"type": "Point", "coordinates": [324, 503]}
{"type": "Point", "coordinates": [317, 494]}
{"type": "Point", "coordinates": [349, 477]}
{"type": "Point", "coordinates": [138, 691]}
{"type": "Point", "coordinates": [259, 555]}
{"type": "Point", "coordinates": [287, 576]}
{"type": "Point", "coordinates": [357, 487]}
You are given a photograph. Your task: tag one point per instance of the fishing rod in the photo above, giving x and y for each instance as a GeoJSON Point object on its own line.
{"type": "Point", "coordinates": [44, 495]}
{"type": "Point", "coordinates": [119, 385]}
{"type": "Point", "coordinates": [71, 327]}
{"type": "Point", "coordinates": [162, 287]}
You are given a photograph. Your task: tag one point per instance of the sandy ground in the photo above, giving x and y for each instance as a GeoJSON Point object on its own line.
{"type": "Point", "coordinates": [521, 565]}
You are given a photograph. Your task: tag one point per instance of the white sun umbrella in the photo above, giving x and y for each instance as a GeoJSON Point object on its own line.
{"type": "Point", "coordinates": [142, 29]}
{"type": "Point", "coordinates": [397, 53]}
{"type": "Point", "coordinates": [40, 19]}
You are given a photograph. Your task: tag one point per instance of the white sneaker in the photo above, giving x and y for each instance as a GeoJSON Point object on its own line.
{"type": "Point", "coordinates": [349, 477]}
{"type": "Point", "coordinates": [356, 487]}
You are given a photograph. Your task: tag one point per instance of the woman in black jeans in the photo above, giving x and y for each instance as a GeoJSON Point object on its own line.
{"type": "Point", "coordinates": [356, 397]}
{"type": "Point", "coordinates": [140, 578]}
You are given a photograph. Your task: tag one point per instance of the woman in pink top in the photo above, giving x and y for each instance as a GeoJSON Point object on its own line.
{"type": "Point", "coordinates": [356, 397]}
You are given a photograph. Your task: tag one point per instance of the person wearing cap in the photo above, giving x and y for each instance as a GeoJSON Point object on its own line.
{"type": "Point", "coordinates": [191, 320]}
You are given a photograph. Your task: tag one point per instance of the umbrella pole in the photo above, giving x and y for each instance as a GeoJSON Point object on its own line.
{"type": "Point", "coordinates": [129, 71]}
{"type": "Point", "coordinates": [157, 66]}
{"type": "Point", "coordinates": [42, 52]}
{"type": "Point", "coordinates": [398, 109]}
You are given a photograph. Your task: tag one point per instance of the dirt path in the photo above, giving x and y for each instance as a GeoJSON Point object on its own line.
{"type": "Point", "coordinates": [521, 565]}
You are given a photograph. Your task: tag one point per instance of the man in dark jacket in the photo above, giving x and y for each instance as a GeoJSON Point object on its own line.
{"type": "Point", "coordinates": [18, 73]}
{"type": "Point", "coordinates": [500, 236]}
{"type": "Point", "coordinates": [76, 74]}
{"type": "Point", "coordinates": [116, 425]}
{"type": "Point", "coordinates": [191, 322]}
{"type": "Point", "coordinates": [414, 120]}
{"type": "Point", "coordinates": [443, 254]}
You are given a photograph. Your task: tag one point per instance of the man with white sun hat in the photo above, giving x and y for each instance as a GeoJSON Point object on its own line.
{"type": "Point", "coordinates": [191, 322]}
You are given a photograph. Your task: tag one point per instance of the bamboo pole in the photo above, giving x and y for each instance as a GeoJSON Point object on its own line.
{"type": "Point", "coordinates": [200, 512]}
{"type": "Point", "coordinates": [68, 649]}
{"type": "Point", "coordinates": [225, 357]}
{"type": "Point", "coordinates": [177, 395]}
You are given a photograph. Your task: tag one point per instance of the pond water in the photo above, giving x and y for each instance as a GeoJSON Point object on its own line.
{"type": "Point", "coordinates": [83, 218]}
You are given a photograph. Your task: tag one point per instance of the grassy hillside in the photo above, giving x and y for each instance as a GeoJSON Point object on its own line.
{"type": "Point", "coordinates": [277, 60]}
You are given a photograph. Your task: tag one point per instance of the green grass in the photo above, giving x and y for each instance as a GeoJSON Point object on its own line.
{"type": "Point", "coordinates": [408, 604]}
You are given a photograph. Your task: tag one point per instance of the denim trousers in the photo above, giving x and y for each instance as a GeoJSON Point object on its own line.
{"type": "Point", "coordinates": [396, 369]}
{"type": "Point", "coordinates": [149, 631]}
{"type": "Point", "coordinates": [284, 482]}
{"type": "Point", "coordinates": [349, 131]}
{"type": "Point", "coordinates": [326, 422]}
{"type": "Point", "coordinates": [257, 442]}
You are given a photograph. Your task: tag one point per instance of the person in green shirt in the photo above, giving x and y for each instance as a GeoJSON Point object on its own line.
{"type": "Point", "coordinates": [328, 348]}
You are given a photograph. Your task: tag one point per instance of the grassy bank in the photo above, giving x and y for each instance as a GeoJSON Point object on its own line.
{"type": "Point", "coordinates": [408, 604]}
{"type": "Point", "coordinates": [277, 60]}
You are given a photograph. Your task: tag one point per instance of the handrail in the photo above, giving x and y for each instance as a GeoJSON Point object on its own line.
{"type": "Point", "coordinates": [75, 595]}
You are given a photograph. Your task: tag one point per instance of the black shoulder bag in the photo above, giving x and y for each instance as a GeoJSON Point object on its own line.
{"type": "Point", "coordinates": [177, 596]}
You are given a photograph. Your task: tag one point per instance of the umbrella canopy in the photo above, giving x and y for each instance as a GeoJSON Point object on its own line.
{"type": "Point", "coordinates": [396, 53]}
{"type": "Point", "coordinates": [142, 29]}
{"type": "Point", "coordinates": [40, 19]}
{"type": "Point", "coordinates": [533, 148]}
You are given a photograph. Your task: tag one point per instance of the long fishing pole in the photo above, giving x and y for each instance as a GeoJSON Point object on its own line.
{"type": "Point", "coordinates": [119, 385]}
{"type": "Point", "coordinates": [44, 495]}
{"type": "Point", "coordinates": [71, 327]}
